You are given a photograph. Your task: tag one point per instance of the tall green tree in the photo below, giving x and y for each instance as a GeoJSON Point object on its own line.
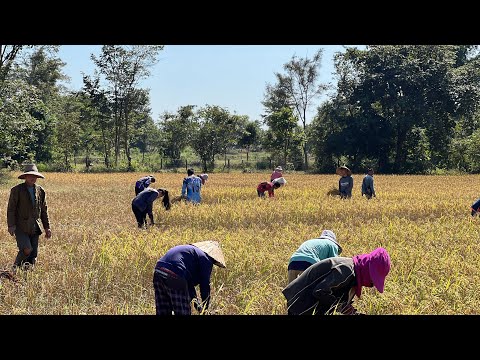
{"type": "Point", "coordinates": [18, 128]}
{"type": "Point", "coordinates": [147, 135]}
{"type": "Point", "coordinates": [284, 135]}
{"type": "Point", "coordinates": [43, 69]}
{"type": "Point", "coordinates": [216, 129]}
{"type": "Point", "coordinates": [67, 129]}
{"type": "Point", "coordinates": [297, 88]}
{"type": "Point", "coordinates": [250, 136]}
{"type": "Point", "coordinates": [177, 130]}
{"type": "Point", "coordinates": [99, 112]}
{"type": "Point", "coordinates": [123, 67]}
{"type": "Point", "coordinates": [8, 57]}
{"type": "Point", "coordinates": [404, 91]}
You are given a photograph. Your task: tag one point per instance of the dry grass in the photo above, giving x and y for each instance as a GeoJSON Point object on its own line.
{"type": "Point", "coordinates": [98, 262]}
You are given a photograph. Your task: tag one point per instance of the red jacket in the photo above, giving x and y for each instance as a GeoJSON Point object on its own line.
{"type": "Point", "coordinates": [266, 186]}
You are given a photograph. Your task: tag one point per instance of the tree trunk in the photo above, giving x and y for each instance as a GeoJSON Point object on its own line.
{"type": "Point", "coordinates": [305, 154]}
{"type": "Point", "coordinates": [400, 151]}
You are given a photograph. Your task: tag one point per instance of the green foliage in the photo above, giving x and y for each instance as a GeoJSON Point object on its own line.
{"type": "Point", "coordinates": [296, 89]}
{"type": "Point", "coordinates": [284, 136]}
{"type": "Point", "coordinates": [397, 105]}
{"type": "Point", "coordinates": [18, 128]}
{"type": "Point", "coordinates": [177, 130]}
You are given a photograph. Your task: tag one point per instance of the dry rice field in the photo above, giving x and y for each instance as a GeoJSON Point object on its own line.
{"type": "Point", "coordinates": [98, 262]}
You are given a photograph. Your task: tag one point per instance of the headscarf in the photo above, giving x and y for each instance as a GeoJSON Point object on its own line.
{"type": "Point", "coordinates": [371, 269]}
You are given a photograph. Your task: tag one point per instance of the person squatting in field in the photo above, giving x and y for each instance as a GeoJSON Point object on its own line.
{"type": "Point", "coordinates": [142, 204]}
{"type": "Point", "coordinates": [311, 252]}
{"type": "Point", "coordinates": [143, 183]}
{"type": "Point", "coordinates": [330, 285]}
{"type": "Point", "coordinates": [179, 271]}
{"type": "Point", "coordinates": [367, 185]}
{"type": "Point", "coordinates": [270, 187]}
{"type": "Point", "coordinates": [27, 206]}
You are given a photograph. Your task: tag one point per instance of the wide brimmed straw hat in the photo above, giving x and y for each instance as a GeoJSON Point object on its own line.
{"type": "Point", "coordinates": [343, 167]}
{"type": "Point", "coordinates": [30, 169]}
{"type": "Point", "coordinates": [278, 168]}
{"type": "Point", "coordinates": [212, 249]}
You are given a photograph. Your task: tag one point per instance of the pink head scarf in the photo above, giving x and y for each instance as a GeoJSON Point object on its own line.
{"type": "Point", "coordinates": [371, 269]}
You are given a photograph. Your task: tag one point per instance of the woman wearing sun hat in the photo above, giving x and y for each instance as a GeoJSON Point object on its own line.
{"type": "Point", "coordinates": [330, 285]}
{"type": "Point", "coordinates": [345, 184]}
{"type": "Point", "coordinates": [27, 207]}
{"type": "Point", "coordinates": [179, 271]}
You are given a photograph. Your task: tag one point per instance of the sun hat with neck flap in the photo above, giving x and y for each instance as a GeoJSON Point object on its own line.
{"type": "Point", "coordinates": [371, 268]}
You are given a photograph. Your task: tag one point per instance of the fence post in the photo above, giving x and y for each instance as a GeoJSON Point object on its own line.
{"type": "Point", "coordinates": [161, 163]}
{"type": "Point", "coordinates": [270, 163]}
{"type": "Point", "coordinates": [229, 164]}
{"type": "Point", "coordinates": [186, 164]}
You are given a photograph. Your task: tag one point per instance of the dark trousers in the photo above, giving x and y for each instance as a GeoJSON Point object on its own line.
{"type": "Point", "coordinates": [171, 295]}
{"type": "Point", "coordinates": [26, 241]}
{"type": "Point", "coordinates": [140, 215]}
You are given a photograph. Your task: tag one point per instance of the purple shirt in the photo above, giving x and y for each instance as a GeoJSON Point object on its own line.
{"type": "Point", "coordinates": [192, 264]}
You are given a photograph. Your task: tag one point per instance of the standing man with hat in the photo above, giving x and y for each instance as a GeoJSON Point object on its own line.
{"type": "Point", "coordinates": [178, 272]}
{"type": "Point", "coordinates": [27, 206]}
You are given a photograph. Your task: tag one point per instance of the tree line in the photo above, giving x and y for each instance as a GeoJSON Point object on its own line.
{"type": "Point", "coordinates": [396, 108]}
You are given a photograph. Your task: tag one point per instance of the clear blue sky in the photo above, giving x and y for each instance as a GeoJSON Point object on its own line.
{"type": "Point", "coordinates": [230, 76]}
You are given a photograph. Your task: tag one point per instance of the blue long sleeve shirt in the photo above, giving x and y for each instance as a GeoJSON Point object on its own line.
{"type": "Point", "coordinates": [143, 183]}
{"type": "Point", "coordinates": [144, 200]}
{"type": "Point", "coordinates": [345, 185]}
{"type": "Point", "coordinates": [192, 264]}
{"type": "Point", "coordinates": [192, 185]}
{"type": "Point", "coordinates": [368, 183]}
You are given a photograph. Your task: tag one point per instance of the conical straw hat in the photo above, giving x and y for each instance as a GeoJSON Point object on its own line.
{"type": "Point", "coordinates": [212, 249]}
{"type": "Point", "coordinates": [343, 167]}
